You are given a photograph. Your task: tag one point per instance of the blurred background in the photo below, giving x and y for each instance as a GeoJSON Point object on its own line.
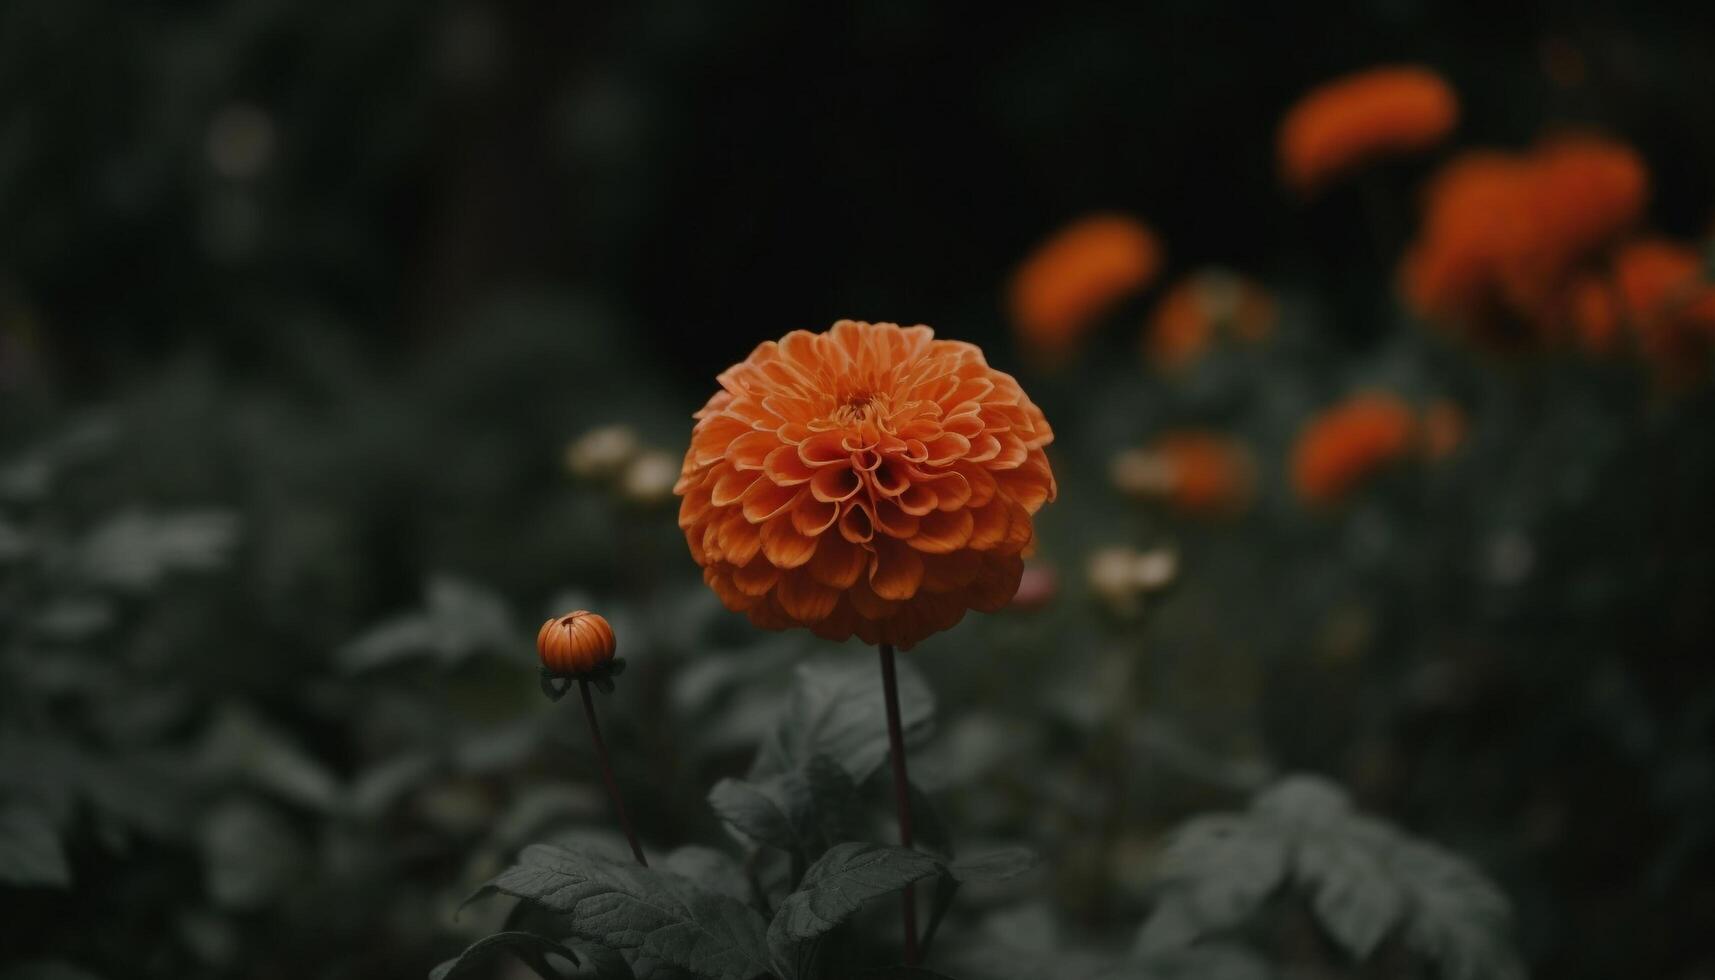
{"type": "Point", "coordinates": [340, 343]}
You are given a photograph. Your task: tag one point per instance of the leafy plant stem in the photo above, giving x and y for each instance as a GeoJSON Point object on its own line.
{"type": "Point", "coordinates": [901, 791]}
{"type": "Point", "coordinates": [607, 772]}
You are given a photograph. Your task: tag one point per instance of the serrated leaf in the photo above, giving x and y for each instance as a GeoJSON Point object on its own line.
{"type": "Point", "coordinates": [836, 709]}
{"type": "Point", "coordinates": [659, 915]}
{"type": "Point", "coordinates": [1217, 871]}
{"type": "Point", "coordinates": [532, 950]}
{"type": "Point", "coordinates": [802, 811]}
{"type": "Point", "coordinates": [30, 851]}
{"type": "Point", "coordinates": [835, 887]}
{"type": "Point", "coordinates": [1353, 894]}
{"type": "Point", "coordinates": [1457, 917]}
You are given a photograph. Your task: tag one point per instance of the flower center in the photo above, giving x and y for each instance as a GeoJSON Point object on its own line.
{"type": "Point", "coordinates": [858, 408]}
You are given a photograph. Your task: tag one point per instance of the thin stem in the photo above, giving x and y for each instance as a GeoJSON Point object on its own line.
{"type": "Point", "coordinates": [607, 772]}
{"type": "Point", "coordinates": [901, 790]}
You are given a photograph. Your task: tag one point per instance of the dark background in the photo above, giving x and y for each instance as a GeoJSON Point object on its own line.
{"type": "Point", "coordinates": [350, 274]}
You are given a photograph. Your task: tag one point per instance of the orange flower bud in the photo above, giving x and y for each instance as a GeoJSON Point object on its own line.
{"type": "Point", "coordinates": [575, 643]}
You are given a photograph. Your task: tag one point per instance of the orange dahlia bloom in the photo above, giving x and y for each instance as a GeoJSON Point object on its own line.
{"type": "Point", "coordinates": [1668, 299]}
{"type": "Point", "coordinates": [869, 481]}
{"type": "Point", "coordinates": [1077, 275]}
{"type": "Point", "coordinates": [1339, 448]}
{"type": "Point", "coordinates": [1350, 122]}
{"type": "Point", "coordinates": [1196, 308]}
{"type": "Point", "coordinates": [1504, 235]}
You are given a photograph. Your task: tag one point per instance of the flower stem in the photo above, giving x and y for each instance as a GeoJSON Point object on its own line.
{"type": "Point", "coordinates": [607, 772]}
{"type": "Point", "coordinates": [901, 790]}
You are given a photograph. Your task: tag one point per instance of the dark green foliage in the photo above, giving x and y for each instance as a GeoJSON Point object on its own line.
{"type": "Point", "coordinates": [1364, 880]}
{"type": "Point", "coordinates": [662, 917]}
{"type": "Point", "coordinates": [531, 949]}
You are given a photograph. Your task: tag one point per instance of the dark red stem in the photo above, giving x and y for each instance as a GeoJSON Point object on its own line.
{"type": "Point", "coordinates": [607, 772]}
{"type": "Point", "coordinates": [901, 790]}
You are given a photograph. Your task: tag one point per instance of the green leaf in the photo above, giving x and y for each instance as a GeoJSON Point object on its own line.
{"type": "Point", "coordinates": [621, 905]}
{"type": "Point", "coordinates": [1217, 870]}
{"type": "Point", "coordinates": [1303, 801]}
{"type": "Point", "coordinates": [251, 854]}
{"type": "Point", "coordinates": [902, 973]}
{"type": "Point", "coordinates": [1353, 893]}
{"type": "Point", "coordinates": [531, 949]}
{"type": "Point", "coordinates": [30, 851]}
{"type": "Point", "coordinates": [803, 811]}
{"type": "Point", "coordinates": [459, 620]}
{"type": "Point", "coordinates": [836, 709]}
{"type": "Point", "coordinates": [1001, 865]}
{"type": "Point", "coordinates": [710, 869]}
{"type": "Point", "coordinates": [1457, 918]}
{"type": "Point", "coordinates": [835, 887]}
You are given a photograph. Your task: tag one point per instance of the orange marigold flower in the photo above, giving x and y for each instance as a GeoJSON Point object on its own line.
{"type": "Point", "coordinates": [1350, 122]}
{"type": "Point", "coordinates": [1204, 474]}
{"type": "Point", "coordinates": [1196, 308]}
{"type": "Point", "coordinates": [1669, 301]}
{"type": "Point", "coordinates": [869, 481]}
{"type": "Point", "coordinates": [1505, 234]}
{"type": "Point", "coordinates": [575, 643]}
{"type": "Point", "coordinates": [1075, 276]}
{"type": "Point", "coordinates": [1343, 445]}
{"type": "Point", "coordinates": [1595, 314]}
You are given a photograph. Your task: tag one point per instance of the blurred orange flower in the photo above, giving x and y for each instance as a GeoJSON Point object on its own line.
{"type": "Point", "coordinates": [1669, 301]}
{"type": "Point", "coordinates": [1337, 449]}
{"type": "Point", "coordinates": [1192, 471]}
{"type": "Point", "coordinates": [869, 481]}
{"type": "Point", "coordinates": [1350, 122]}
{"type": "Point", "coordinates": [1189, 316]}
{"type": "Point", "coordinates": [1076, 275]}
{"type": "Point", "coordinates": [1504, 235]}
{"type": "Point", "coordinates": [1595, 314]}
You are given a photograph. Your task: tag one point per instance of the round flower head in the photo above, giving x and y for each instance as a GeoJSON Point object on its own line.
{"type": "Point", "coordinates": [575, 643]}
{"type": "Point", "coordinates": [1351, 121]}
{"type": "Point", "coordinates": [1339, 448]}
{"type": "Point", "coordinates": [1075, 276]}
{"type": "Point", "coordinates": [1669, 302]}
{"type": "Point", "coordinates": [869, 481]}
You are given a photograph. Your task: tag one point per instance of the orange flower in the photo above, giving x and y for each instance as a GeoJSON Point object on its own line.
{"type": "Point", "coordinates": [575, 643]}
{"type": "Point", "coordinates": [1187, 318]}
{"type": "Point", "coordinates": [1350, 122]}
{"type": "Point", "coordinates": [1475, 220]}
{"type": "Point", "coordinates": [869, 481]}
{"type": "Point", "coordinates": [1339, 448]}
{"type": "Point", "coordinates": [1504, 235]}
{"type": "Point", "coordinates": [1595, 314]}
{"type": "Point", "coordinates": [1205, 474]}
{"type": "Point", "coordinates": [1077, 275]}
{"type": "Point", "coordinates": [1669, 301]}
